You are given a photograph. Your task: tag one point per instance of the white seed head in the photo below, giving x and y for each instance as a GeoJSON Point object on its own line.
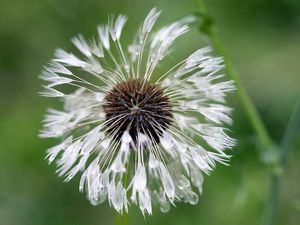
{"type": "Point", "coordinates": [135, 138]}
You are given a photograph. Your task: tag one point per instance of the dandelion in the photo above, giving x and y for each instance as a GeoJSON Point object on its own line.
{"type": "Point", "coordinates": [134, 138]}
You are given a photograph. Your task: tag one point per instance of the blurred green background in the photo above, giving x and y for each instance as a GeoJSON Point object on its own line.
{"type": "Point", "coordinates": [262, 37]}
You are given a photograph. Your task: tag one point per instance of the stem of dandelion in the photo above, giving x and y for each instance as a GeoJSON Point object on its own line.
{"type": "Point", "coordinates": [291, 133]}
{"type": "Point", "coordinates": [289, 137]}
{"type": "Point", "coordinates": [209, 27]}
{"type": "Point", "coordinates": [121, 219]}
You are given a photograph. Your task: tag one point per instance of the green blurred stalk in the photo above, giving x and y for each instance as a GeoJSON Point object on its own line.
{"type": "Point", "coordinates": [290, 133]}
{"type": "Point", "coordinates": [121, 219]}
{"type": "Point", "coordinates": [208, 27]}
{"type": "Point", "coordinates": [289, 137]}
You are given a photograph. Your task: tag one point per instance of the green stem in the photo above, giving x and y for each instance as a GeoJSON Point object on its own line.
{"type": "Point", "coordinates": [209, 27]}
{"type": "Point", "coordinates": [289, 137]}
{"type": "Point", "coordinates": [121, 219]}
{"type": "Point", "coordinates": [290, 133]}
{"type": "Point", "coordinates": [271, 205]}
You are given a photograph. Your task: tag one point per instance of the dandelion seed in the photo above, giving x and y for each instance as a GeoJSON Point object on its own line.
{"type": "Point", "coordinates": [134, 138]}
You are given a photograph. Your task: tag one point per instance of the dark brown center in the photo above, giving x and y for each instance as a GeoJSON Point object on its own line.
{"type": "Point", "coordinates": [138, 107]}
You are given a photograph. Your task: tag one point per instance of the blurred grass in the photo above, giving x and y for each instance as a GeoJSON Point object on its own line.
{"type": "Point", "coordinates": [261, 37]}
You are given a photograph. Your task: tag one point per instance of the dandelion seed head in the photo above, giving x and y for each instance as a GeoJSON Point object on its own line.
{"type": "Point", "coordinates": [136, 138]}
